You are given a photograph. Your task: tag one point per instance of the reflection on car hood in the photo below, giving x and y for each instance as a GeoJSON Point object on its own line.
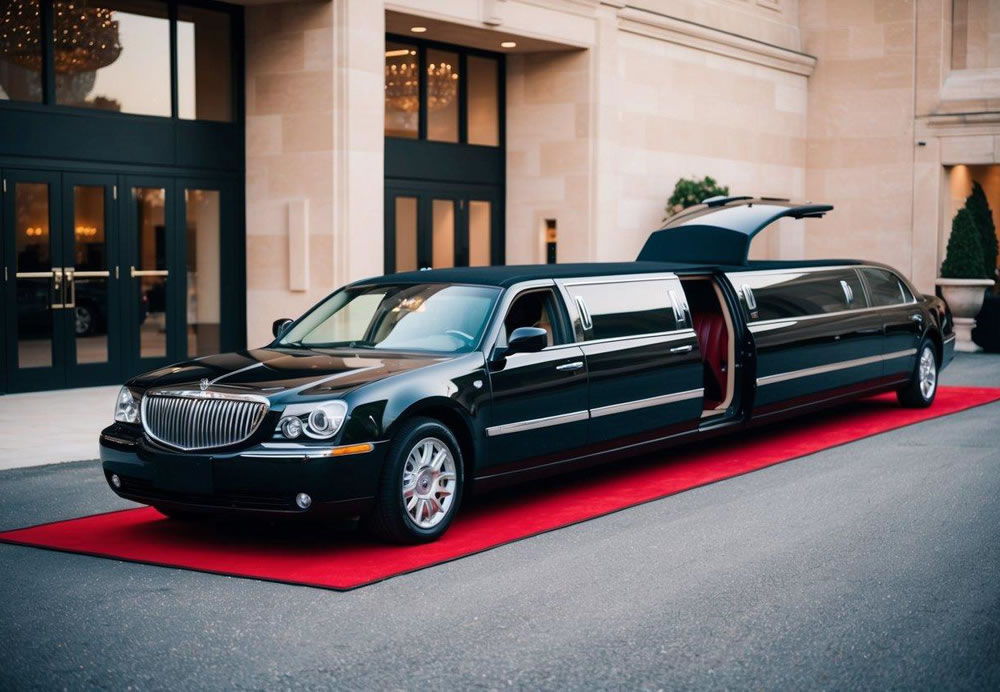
{"type": "Point", "coordinates": [274, 372]}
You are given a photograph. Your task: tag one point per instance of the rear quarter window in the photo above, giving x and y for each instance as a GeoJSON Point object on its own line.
{"type": "Point", "coordinates": [885, 288]}
{"type": "Point", "coordinates": [802, 294]}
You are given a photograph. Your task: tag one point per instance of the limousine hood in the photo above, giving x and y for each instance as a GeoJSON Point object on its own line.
{"type": "Point", "coordinates": [281, 372]}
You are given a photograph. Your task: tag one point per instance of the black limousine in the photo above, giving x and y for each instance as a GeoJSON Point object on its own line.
{"type": "Point", "coordinates": [396, 395]}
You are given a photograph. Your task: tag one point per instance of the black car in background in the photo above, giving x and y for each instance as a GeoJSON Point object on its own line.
{"type": "Point", "coordinates": [396, 395]}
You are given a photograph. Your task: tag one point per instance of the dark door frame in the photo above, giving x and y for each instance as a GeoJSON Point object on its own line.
{"type": "Point", "coordinates": [418, 166]}
{"type": "Point", "coordinates": [425, 192]}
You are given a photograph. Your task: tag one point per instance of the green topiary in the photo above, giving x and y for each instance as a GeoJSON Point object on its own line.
{"type": "Point", "coordinates": [964, 258]}
{"type": "Point", "coordinates": [979, 207]}
{"type": "Point", "coordinates": [689, 192]}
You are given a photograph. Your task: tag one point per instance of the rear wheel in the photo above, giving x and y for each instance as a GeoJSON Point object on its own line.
{"type": "Point", "coordinates": [920, 391]}
{"type": "Point", "coordinates": [421, 484]}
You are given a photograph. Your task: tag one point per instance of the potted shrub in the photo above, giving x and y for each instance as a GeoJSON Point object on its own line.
{"type": "Point", "coordinates": [691, 191]}
{"type": "Point", "coordinates": [963, 279]}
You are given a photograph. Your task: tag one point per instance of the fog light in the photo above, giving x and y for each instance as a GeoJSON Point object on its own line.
{"type": "Point", "coordinates": [291, 427]}
{"type": "Point", "coordinates": [303, 501]}
{"type": "Point", "coordinates": [115, 480]}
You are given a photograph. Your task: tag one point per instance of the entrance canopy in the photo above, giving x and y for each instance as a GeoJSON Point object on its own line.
{"type": "Point", "coordinates": [720, 229]}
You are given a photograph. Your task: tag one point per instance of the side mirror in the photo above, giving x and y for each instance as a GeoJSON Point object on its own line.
{"type": "Point", "coordinates": [527, 340]}
{"type": "Point", "coordinates": [278, 327]}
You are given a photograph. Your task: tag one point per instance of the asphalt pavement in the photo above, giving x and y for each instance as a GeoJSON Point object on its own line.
{"type": "Point", "coordinates": [871, 565]}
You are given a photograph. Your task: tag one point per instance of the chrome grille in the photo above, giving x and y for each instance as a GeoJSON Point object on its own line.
{"type": "Point", "coordinates": [201, 420]}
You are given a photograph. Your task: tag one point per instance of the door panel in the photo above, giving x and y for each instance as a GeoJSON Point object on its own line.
{"type": "Point", "coordinates": [34, 289]}
{"type": "Point", "coordinates": [436, 225]}
{"type": "Point", "coordinates": [539, 408]}
{"type": "Point", "coordinates": [803, 360]}
{"type": "Point", "coordinates": [644, 388]}
{"type": "Point", "coordinates": [93, 311]}
{"type": "Point", "coordinates": [904, 326]}
{"type": "Point", "coordinates": [155, 335]}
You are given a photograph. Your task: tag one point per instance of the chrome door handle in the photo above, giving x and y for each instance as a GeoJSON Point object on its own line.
{"type": "Point", "coordinates": [682, 349]}
{"type": "Point", "coordinates": [575, 365]}
{"type": "Point", "coordinates": [916, 318]}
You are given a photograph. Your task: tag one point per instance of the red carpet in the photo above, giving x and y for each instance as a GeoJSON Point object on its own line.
{"type": "Point", "coordinates": [298, 553]}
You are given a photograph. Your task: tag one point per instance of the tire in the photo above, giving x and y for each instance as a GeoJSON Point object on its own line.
{"type": "Point", "coordinates": [420, 488]}
{"type": "Point", "coordinates": [178, 514]}
{"type": "Point", "coordinates": [922, 388]}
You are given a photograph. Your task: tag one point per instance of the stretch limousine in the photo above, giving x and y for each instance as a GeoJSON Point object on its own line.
{"type": "Point", "coordinates": [396, 395]}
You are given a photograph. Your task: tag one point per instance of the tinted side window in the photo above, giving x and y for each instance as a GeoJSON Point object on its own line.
{"type": "Point", "coordinates": [885, 288]}
{"type": "Point", "coordinates": [795, 294]}
{"type": "Point", "coordinates": [627, 309]}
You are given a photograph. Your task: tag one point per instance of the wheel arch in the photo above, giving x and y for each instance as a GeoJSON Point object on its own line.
{"type": "Point", "coordinates": [452, 417]}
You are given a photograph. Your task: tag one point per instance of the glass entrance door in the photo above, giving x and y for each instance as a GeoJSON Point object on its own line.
{"type": "Point", "coordinates": [61, 313]}
{"type": "Point", "coordinates": [106, 276]}
{"type": "Point", "coordinates": [430, 226]}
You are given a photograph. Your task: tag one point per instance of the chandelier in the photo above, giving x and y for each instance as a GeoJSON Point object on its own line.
{"type": "Point", "coordinates": [402, 86]}
{"type": "Point", "coordinates": [85, 39]}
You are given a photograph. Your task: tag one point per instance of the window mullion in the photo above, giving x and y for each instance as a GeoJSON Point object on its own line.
{"type": "Point", "coordinates": [48, 52]}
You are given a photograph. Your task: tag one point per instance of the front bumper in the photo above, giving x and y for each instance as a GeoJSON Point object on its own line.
{"type": "Point", "coordinates": [260, 479]}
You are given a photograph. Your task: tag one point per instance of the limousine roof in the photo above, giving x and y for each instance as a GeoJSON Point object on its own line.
{"type": "Point", "coordinates": [720, 229]}
{"type": "Point", "coordinates": [510, 274]}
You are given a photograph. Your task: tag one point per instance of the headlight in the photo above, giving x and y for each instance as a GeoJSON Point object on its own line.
{"type": "Point", "coordinates": [318, 421]}
{"type": "Point", "coordinates": [127, 407]}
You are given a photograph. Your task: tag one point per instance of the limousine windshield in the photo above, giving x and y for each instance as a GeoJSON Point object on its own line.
{"type": "Point", "coordinates": [423, 317]}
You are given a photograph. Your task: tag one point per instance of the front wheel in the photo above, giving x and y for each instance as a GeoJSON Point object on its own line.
{"type": "Point", "coordinates": [920, 391]}
{"type": "Point", "coordinates": [421, 484]}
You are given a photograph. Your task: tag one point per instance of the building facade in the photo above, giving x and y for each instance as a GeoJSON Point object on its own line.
{"type": "Point", "coordinates": [176, 175]}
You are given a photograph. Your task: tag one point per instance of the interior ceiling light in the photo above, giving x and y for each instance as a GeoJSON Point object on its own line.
{"type": "Point", "coordinates": [418, 29]}
{"type": "Point", "coordinates": [508, 44]}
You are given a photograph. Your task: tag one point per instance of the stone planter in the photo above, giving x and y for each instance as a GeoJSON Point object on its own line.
{"type": "Point", "coordinates": [965, 298]}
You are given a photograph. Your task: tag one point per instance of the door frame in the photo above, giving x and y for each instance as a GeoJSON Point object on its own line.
{"type": "Point", "coordinates": [89, 374]}
{"type": "Point", "coordinates": [53, 376]}
{"type": "Point", "coordinates": [132, 360]}
{"type": "Point", "coordinates": [426, 192]}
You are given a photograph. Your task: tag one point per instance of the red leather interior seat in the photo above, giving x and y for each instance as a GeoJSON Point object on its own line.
{"type": "Point", "coordinates": [713, 340]}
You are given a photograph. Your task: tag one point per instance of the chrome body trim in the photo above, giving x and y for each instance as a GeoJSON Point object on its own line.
{"type": "Point", "coordinates": [535, 423]}
{"type": "Point", "coordinates": [832, 367]}
{"type": "Point", "coordinates": [645, 403]}
{"type": "Point", "coordinates": [294, 450]}
{"type": "Point", "coordinates": [953, 337]}
{"type": "Point", "coordinates": [190, 420]}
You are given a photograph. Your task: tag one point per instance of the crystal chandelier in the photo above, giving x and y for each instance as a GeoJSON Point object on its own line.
{"type": "Point", "coordinates": [85, 38]}
{"type": "Point", "coordinates": [402, 86]}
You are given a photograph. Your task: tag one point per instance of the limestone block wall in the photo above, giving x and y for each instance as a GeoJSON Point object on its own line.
{"type": "Point", "coordinates": [861, 147]}
{"type": "Point", "coordinates": [313, 112]}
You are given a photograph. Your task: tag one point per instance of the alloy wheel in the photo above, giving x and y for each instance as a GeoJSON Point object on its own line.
{"type": "Point", "coordinates": [927, 373]}
{"type": "Point", "coordinates": [429, 482]}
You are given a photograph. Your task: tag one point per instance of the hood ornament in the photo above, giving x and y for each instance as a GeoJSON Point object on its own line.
{"type": "Point", "coordinates": [203, 384]}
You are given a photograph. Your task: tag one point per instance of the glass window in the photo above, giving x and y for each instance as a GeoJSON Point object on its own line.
{"type": "Point", "coordinates": [797, 294]}
{"type": "Point", "coordinates": [443, 233]}
{"type": "Point", "coordinates": [151, 239]}
{"type": "Point", "coordinates": [90, 283]}
{"type": "Point", "coordinates": [204, 286]}
{"type": "Point", "coordinates": [885, 288]}
{"type": "Point", "coordinates": [442, 95]}
{"type": "Point", "coordinates": [627, 308]}
{"type": "Point", "coordinates": [406, 234]}
{"type": "Point", "coordinates": [482, 106]}
{"type": "Point", "coordinates": [20, 51]}
{"type": "Point", "coordinates": [203, 64]}
{"type": "Point", "coordinates": [113, 55]}
{"type": "Point", "coordinates": [402, 90]}
{"type": "Point", "coordinates": [480, 234]}
{"type": "Point", "coordinates": [531, 309]}
{"type": "Point", "coordinates": [422, 317]}
{"type": "Point", "coordinates": [33, 273]}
